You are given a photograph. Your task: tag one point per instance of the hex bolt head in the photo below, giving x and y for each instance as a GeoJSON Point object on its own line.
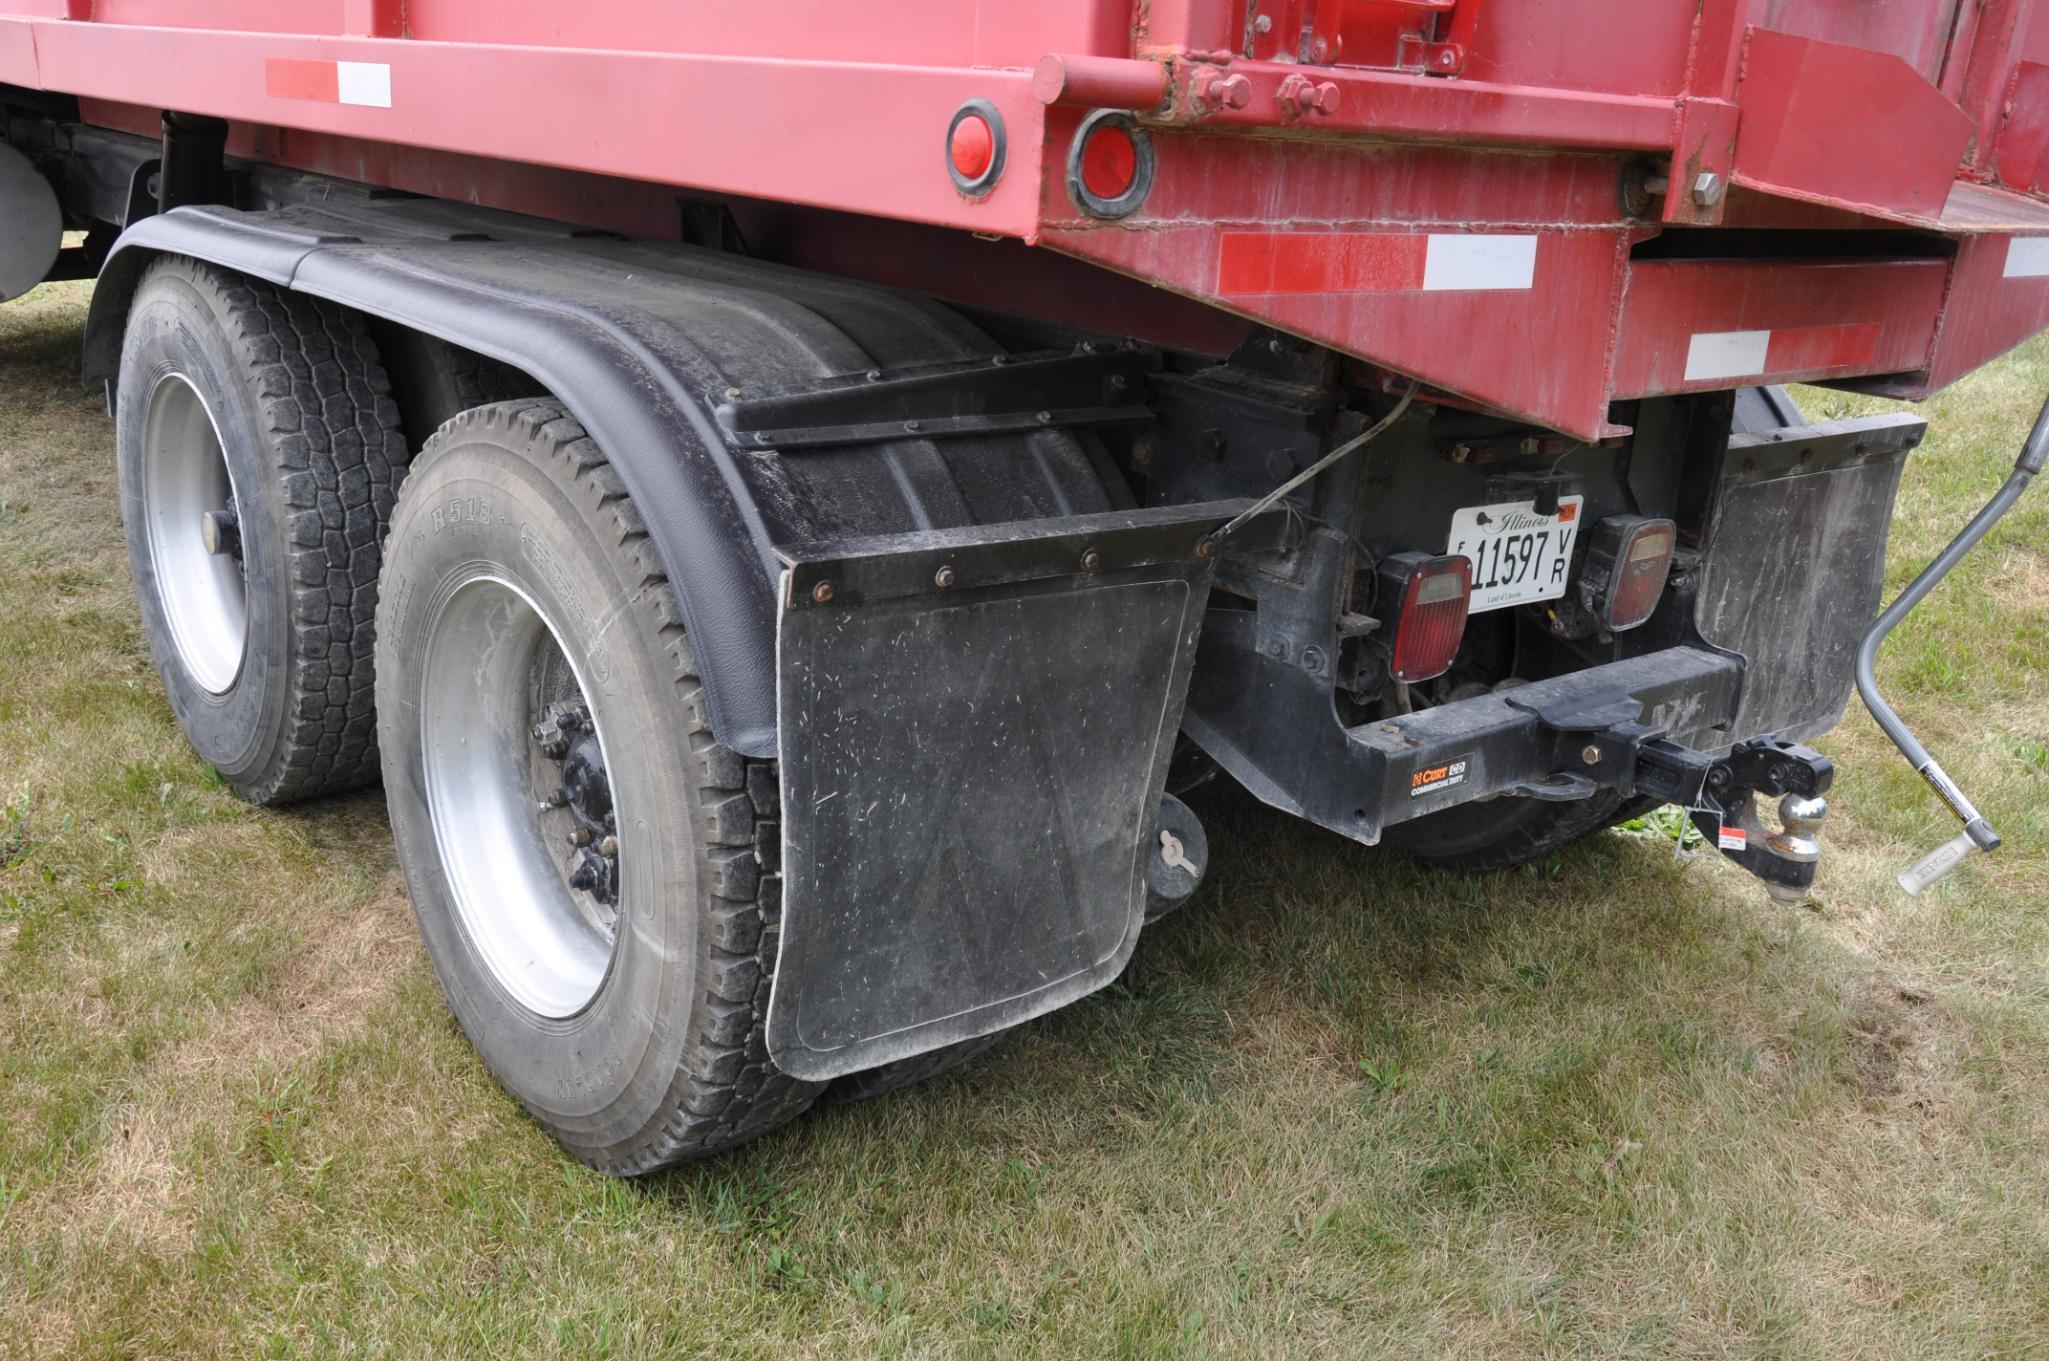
{"type": "Point", "coordinates": [1591, 754]}
{"type": "Point", "coordinates": [1091, 560]}
{"type": "Point", "coordinates": [1206, 547]}
{"type": "Point", "coordinates": [1708, 189]}
{"type": "Point", "coordinates": [822, 592]}
{"type": "Point", "coordinates": [943, 578]}
{"type": "Point", "coordinates": [580, 837]}
{"type": "Point", "coordinates": [1215, 88]}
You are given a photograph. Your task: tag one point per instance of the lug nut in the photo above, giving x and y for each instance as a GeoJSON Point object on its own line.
{"type": "Point", "coordinates": [580, 837]}
{"type": "Point", "coordinates": [221, 533]}
{"type": "Point", "coordinates": [555, 750]}
{"type": "Point", "coordinates": [609, 847]}
{"type": "Point", "coordinates": [555, 800]}
{"type": "Point", "coordinates": [583, 879]}
{"type": "Point", "coordinates": [569, 721]}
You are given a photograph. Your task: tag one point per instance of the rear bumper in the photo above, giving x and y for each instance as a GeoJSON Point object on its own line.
{"type": "Point", "coordinates": [1557, 738]}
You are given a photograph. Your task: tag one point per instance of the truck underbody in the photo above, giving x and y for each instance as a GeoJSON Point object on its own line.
{"type": "Point", "coordinates": [1442, 496]}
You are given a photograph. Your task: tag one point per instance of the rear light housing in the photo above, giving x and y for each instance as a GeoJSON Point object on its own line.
{"type": "Point", "coordinates": [1628, 559]}
{"type": "Point", "coordinates": [1423, 612]}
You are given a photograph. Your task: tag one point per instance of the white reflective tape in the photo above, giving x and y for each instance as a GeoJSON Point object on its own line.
{"type": "Point", "coordinates": [2027, 257]}
{"type": "Point", "coordinates": [1726, 354]}
{"type": "Point", "coordinates": [364, 82]}
{"type": "Point", "coordinates": [1473, 262]}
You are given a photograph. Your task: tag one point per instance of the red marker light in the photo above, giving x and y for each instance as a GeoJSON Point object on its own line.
{"type": "Point", "coordinates": [1109, 162]}
{"type": "Point", "coordinates": [974, 147]}
{"type": "Point", "coordinates": [1429, 619]}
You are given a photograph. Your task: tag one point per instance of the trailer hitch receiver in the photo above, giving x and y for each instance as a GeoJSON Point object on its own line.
{"type": "Point", "coordinates": [1720, 796]}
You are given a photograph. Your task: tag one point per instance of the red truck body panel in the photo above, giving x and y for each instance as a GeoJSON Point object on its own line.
{"type": "Point", "coordinates": [1433, 185]}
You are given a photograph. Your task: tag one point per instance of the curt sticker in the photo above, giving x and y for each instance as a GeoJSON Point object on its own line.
{"type": "Point", "coordinates": [1434, 779]}
{"type": "Point", "coordinates": [365, 83]}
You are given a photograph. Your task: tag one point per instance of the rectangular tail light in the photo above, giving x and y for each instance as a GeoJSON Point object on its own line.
{"type": "Point", "coordinates": [1628, 559]}
{"type": "Point", "coordinates": [1428, 597]}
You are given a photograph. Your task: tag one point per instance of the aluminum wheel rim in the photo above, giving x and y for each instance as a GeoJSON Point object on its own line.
{"type": "Point", "coordinates": [184, 479]}
{"type": "Point", "coordinates": [494, 662]}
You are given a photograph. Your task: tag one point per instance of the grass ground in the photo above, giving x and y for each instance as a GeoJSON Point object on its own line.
{"type": "Point", "coordinates": [1338, 1106]}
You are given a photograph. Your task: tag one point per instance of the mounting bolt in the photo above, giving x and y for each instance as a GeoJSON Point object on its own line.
{"type": "Point", "coordinates": [1045, 418]}
{"type": "Point", "coordinates": [875, 375]}
{"type": "Point", "coordinates": [1214, 88]}
{"type": "Point", "coordinates": [733, 394]}
{"type": "Point", "coordinates": [943, 578]}
{"type": "Point", "coordinates": [1091, 560]}
{"type": "Point", "coordinates": [1206, 547]}
{"type": "Point", "coordinates": [1591, 754]}
{"type": "Point", "coordinates": [821, 593]}
{"type": "Point", "coordinates": [913, 427]}
{"type": "Point", "coordinates": [1300, 95]}
{"type": "Point", "coordinates": [1708, 189]}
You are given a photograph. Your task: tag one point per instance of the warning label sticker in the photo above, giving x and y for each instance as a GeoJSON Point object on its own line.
{"type": "Point", "coordinates": [1734, 839]}
{"type": "Point", "coordinates": [1435, 779]}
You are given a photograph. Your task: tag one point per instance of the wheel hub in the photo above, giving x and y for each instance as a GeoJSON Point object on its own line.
{"type": "Point", "coordinates": [570, 743]}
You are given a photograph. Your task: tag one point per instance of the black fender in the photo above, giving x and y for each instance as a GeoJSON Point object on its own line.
{"type": "Point", "coordinates": [643, 341]}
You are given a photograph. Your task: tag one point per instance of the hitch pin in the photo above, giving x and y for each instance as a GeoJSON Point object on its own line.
{"type": "Point", "coordinates": [1977, 834]}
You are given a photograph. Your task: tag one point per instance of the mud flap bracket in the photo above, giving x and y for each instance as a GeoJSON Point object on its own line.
{"type": "Point", "coordinates": [974, 727]}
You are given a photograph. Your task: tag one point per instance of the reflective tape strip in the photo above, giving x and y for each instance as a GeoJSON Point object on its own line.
{"type": "Point", "coordinates": [2027, 257]}
{"type": "Point", "coordinates": [1259, 264]}
{"type": "Point", "coordinates": [1726, 354]}
{"type": "Point", "coordinates": [1475, 262]}
{"type": "Point", "coordinates": [363, 83]}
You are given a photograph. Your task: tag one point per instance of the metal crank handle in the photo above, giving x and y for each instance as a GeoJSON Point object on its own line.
{"type": "Point", "coordinates": [1978, 833]}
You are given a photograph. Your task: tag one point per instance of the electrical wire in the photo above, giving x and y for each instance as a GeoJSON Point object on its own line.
{"type": "Point", "coordinates": [1359, 441]}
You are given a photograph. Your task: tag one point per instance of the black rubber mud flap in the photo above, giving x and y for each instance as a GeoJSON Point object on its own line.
{"type": "Point", "coordinates": [974, 731]}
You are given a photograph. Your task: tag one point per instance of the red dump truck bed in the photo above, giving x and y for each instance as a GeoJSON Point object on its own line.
{"type": "Point", "coordinates": [1452, 188]}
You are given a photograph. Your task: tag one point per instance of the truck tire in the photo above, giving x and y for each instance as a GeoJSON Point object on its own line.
{"type": "Point", "coordinates": [258, 454]}
{"type": "Point", "coordinates": [592, 873]}
{"type": "Point", "coordinates": [1501, 834]}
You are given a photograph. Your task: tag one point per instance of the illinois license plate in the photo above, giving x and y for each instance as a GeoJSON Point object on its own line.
{"type": "Point", "coordinates": [1518, 555]}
